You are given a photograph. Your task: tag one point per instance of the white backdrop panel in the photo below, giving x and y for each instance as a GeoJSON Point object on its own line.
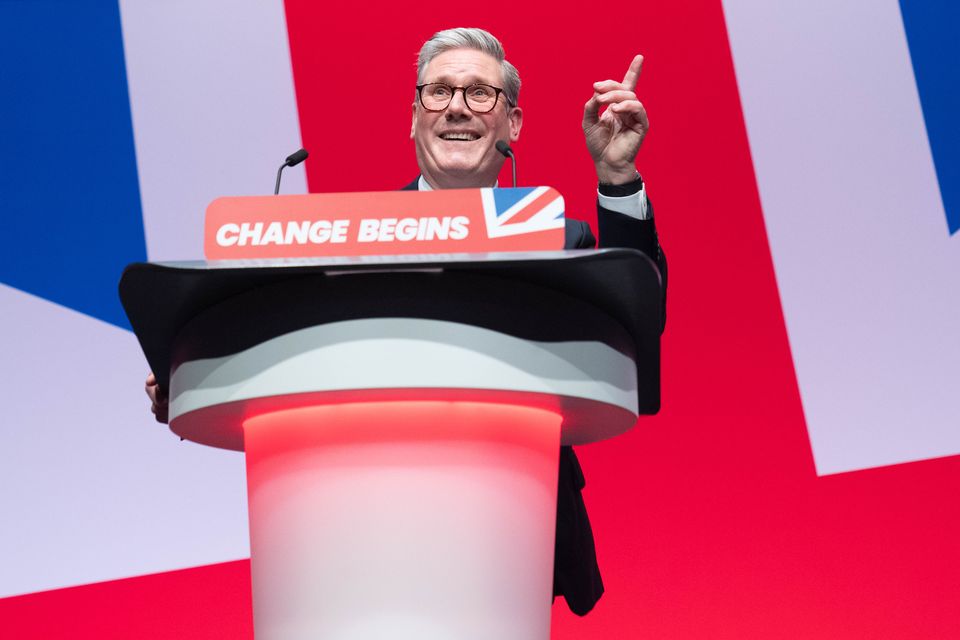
{"type": "Point", "coordinates": [866, 268]}
{"type": "Point", "coordinates": [91, 487]}
{"type": "Point", "coordinates": [214, 110]}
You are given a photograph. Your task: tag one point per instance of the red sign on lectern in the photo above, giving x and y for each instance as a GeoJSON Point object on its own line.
{"type": "Point", "coordinates": [384, 223]}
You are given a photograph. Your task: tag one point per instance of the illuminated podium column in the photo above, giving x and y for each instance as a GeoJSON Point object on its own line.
{"type": "Point", "coordinates": [403, 519]}
{"type": "Point", "coordinates": [402, 433]}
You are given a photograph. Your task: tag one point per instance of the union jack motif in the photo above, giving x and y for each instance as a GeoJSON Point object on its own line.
{"type": "Point", "coordinates": [513, 211]}
{"type": "Point", "coordinates": [841, 521]}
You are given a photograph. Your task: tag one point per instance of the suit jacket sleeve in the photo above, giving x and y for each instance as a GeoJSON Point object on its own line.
{"type": "Point", "coordinates": [619, 230]}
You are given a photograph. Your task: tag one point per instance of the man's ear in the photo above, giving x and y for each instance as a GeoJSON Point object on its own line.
{"type": "Point", "coordinates": [516, 121]}
{"type": "Point", "coordinates": [413, 123]}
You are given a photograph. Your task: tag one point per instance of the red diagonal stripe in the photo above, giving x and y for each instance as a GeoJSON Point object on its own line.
{"type": "Point", "coordinates": [199, 603]}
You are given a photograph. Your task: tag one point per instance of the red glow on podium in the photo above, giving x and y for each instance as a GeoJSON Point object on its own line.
{"type": "Point", "coordinates": [271, 433]}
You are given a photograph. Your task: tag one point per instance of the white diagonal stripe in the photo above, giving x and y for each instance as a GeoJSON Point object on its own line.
{"type": "Point", "coordinates": [867, 273]}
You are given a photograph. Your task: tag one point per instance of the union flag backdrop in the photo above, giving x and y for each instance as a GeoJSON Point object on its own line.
{"type": "Point", "coordinates": [801, 479]}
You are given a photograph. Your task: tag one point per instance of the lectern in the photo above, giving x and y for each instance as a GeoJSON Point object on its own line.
{"type": "Point", "coordinates": [401, 419]}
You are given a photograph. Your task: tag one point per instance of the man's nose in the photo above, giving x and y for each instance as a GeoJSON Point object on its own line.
{"type": "Point", "coordinates": [458, 104]}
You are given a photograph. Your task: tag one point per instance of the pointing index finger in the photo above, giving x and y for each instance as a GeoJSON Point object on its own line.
{"type": "Point", "coordinates": [633, 73]}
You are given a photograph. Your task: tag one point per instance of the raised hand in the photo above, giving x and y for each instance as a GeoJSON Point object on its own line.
{"type": "Point", "coordinates": [614, 137]}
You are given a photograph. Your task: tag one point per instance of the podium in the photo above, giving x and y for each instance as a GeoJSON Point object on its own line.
{"type": "Point", "coordinates": [401, 419]}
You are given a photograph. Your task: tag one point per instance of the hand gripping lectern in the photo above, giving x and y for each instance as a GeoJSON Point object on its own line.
{"type": "Point", "coordinates": [401, 419]}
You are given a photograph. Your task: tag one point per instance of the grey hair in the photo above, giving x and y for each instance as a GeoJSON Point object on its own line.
{"type": "Point", "coordinates": [471, 38]}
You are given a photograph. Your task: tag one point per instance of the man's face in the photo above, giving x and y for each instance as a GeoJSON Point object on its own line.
{"type": "Point", "coordinates": [447, 160]}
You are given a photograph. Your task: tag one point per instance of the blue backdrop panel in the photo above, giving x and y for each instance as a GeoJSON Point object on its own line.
{"type": "Point", "coordinates": [68, 176]}
{"type": "Point", "coordinates": [931, 27]}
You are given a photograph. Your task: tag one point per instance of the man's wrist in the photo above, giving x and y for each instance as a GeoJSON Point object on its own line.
{"type": "Point", "coordinates": [616, 175]}
{"type": "Point", "coordinates": [618, 190]}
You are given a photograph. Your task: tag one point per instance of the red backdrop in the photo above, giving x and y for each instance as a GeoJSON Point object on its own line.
{"type": "Point", "coordinates": [710, 519]}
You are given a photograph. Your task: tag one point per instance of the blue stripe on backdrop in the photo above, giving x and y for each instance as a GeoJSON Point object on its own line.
{"type": "Point", "coordinates": [932, 27]}
{"type": "Point", "coordinates": [68, 176]}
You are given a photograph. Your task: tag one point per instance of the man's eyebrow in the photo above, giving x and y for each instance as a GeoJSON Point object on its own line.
{"type": "Point", "coordinates": [471, 79]}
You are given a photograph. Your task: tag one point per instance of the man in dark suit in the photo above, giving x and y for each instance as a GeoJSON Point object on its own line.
{"type": "Point", "coordinates": [466, 101]}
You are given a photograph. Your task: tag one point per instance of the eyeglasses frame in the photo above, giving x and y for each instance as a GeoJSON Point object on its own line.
{"type": "Point", "coordinates": [453, 92]}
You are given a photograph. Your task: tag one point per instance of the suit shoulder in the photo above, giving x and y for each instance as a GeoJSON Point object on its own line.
{"type": "Point", "coordinates": [577, 235]}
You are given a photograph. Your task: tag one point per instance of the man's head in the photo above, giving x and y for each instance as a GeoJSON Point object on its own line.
{"type": "Point", "coordinates": [455, 145]}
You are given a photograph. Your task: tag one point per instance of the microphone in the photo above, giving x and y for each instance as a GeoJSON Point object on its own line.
{"type": "Point", "coordinates": [292, 160]}
{"type": "Point", "coordinates": [507, 152]}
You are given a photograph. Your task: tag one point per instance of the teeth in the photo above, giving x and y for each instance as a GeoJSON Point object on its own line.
{"type": "Point", "coordinates": [459, 136]}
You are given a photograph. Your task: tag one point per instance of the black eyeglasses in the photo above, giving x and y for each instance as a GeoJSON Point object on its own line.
{"type": "Point", "coordinates": [480, 98]}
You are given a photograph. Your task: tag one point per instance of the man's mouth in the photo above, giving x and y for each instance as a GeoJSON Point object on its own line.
{"type": "Point", "coordinates": [463, 136]}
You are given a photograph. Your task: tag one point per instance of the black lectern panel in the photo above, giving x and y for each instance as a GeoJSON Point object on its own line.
{"type": "Point", "coordinates": [609, 295]}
